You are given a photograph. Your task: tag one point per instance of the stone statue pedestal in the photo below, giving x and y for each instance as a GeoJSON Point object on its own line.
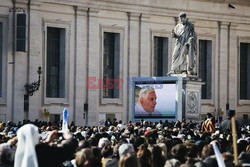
{"type": "Point", "coordinates": [191, 97]}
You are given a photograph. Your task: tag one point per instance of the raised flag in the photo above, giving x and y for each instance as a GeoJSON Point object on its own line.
{"type": "Point", "coordinates": [65, 120]}
{"type": "Point", "coordinates": [218, 155]}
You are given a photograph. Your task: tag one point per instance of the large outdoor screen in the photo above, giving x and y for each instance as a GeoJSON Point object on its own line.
{"type": "Point", "coordinates": [155, 98]}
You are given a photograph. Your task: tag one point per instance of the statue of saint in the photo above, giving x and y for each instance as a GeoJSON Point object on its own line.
{"type": "Point", "coordinates": [184, 54]}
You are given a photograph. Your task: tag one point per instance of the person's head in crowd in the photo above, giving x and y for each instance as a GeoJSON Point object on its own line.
{"type": "Point", "coordinates": [186, 165]}
{"type": "Point", "coordinates": [9, 124]}
{"type": "Point", "coordinates": [73, 128]}
{"type": "Point", "coordinates": [190, 125]}
{"type": "Point", "coordinates": [123, 141]}
{"type": "Point", "coordinates": [106, 151]}
{"type": "Point", "coordinates": [199, 164]}
{"type": "Point", "coordinates": [211, 161]}
{"type": "Point", "coordinates": [220, 118]}
{"type": "Point", "coordinates": [116, 151]}
{"type": "Point", "coordinates": [139, 141]}
{"type": "Point", "coordinates": [97, 153]}
{"type": "Point", "coordinates": [192, 150]}
{"type": "Point", "coordinates": [177, 124]}
{"type": "Point", "coordinates": [209, 116]}
{"type": "Point", "coordinates": [12, 142]}
{"type": "Point", "coordinates": [82, 156]}
{"type": "Point", "coordinates": [83, 144]}
{"type": "Point", "coordinates": [228, 159]}
{"type": "Point", "coordinates": [248, 149]}
{"type": "Point", "coordinates": [98, 135]}
{"type": "Point", "coordinates": [111, 128]}
{"type": "Point", "coordinates": [206, 137]}
{"type": "Point", "coordinates": [1, 126]}
{"type": "Point", "coordinates": [89, 131]}
{"type": "Point", "coordinates": [207, 151]}
{"type": "Point", "coordinates": [172, 163]}
{"type": "Point", "coordinates": [93, 141]}
{"type": "Point", "coordinates": [179, 152]}
{"type": "Point", "coordinates": [79, 136]}
{"type": "Point", "coordinates": [147, 99]}
{"type": "Point", "coordinates": [244, 158]}
{"type": "Point", "coordinates": [103, 142]}
{"type": "Point", "coordinates": [6, 154]}
{"type": "Point", "coordinates": [151, 140]}
{"type": "Point", "coordinates": [200, 144]}
{"type": "Point", "coordinates": [157, 158]}
{"type": "Point", "coordinates": [176, 141]}
{"type": "Point", "coordinates": [129, 160]}
{"type": "Point", "coordinates": [242, 145]}
{"type": "Point", "coordinates": [164, 150]}
{"type": "Point", "coordinates": [230, 113]}
{"type": "Point", "coordinates": [125, 149]}
{"type": "Point", "coordinates": [144, 156]}
{"type": "Point", "coordinates": [183, 125]}
{"type": "Point", "coordinates": [93, 162]}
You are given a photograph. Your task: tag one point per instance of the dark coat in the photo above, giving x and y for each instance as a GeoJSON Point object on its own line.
{"type": "Point", "coordinates": [225, 126]}
{"type": "Point", "coordinates": [49, 156]}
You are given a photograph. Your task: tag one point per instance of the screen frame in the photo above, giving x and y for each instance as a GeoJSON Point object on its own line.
{"type": "Point", "coordinates": [157, 80]}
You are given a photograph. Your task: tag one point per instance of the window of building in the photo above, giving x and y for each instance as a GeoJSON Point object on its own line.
{"type": "Point", "coordinates": [21, 32]}
{"type": "Point", "coordinates": [244, 71]}
{"type": "Point", "coordinates": [160, 56]}
{"type": "Point", "coordinates": [55, 76]}
{"type": "Point", "coordinates": [205, 67]}
{"type": "Point", "coordinates": [111, 65]}
{"type": "Point", "coordinates": [1, 58]}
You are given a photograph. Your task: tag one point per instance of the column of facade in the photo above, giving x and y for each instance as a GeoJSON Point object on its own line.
{"type": "Point", "coordinates": [223, 66]}
{"type": "Point", "coordinates": [133, 59]}
{"type": "Point", "coordinates": [10, 114]}
{"type": "Point", "coordinates": [216, 70]}
{"type": "Point", "coordinates": [81, 64]}
{"type": "Point", "coordinates": [145, 65]}
{"type": "Point", "coordinates": [35, 59]}
{"type": "Point", "coordinates": [19, 73]}
{"type": "Point", "coordinates": [233, 59]}
{"type": "Point", "coordinates": [94, 65]}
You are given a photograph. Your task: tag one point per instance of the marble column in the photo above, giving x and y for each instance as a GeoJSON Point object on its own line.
{"type": "Point", "coordinates": [134, 59]}
{"type": "Point", "coordinates": [94, 63]}
{"type": "Point", "coordinates": [223, 65]}
{"type": "Point", "coordinates": [145, 66]}
{"type": "Point", "coordinates": [81, 63]}
{"type": "Point", "coordinates": [233, 56]}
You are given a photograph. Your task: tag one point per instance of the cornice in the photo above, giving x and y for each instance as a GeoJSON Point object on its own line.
{"type": "Point", "coordinates": [216, 10]}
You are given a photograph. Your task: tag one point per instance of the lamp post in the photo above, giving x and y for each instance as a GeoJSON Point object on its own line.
{"type": "Point", "coordinates": [30, 89]}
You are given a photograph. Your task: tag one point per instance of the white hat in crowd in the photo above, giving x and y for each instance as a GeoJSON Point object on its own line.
{"type": "Point", "coordinates": [125, 149]}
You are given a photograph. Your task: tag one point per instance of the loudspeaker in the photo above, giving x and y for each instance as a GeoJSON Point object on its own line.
{"type": "Point", "coordinates": [86, 107]}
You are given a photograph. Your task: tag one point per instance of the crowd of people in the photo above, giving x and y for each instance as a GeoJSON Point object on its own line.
{"type": "Point", "coordinates": [140, 144]}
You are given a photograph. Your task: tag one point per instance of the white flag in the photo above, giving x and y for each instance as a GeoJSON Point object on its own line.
{"type": "Point", "coordinates": [65, 120]}
{"type": "Point", "coordinates": [218, 155]}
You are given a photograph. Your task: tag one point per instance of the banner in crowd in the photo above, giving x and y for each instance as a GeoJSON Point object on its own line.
{"type": "Point", "coordinates": [65, 120]}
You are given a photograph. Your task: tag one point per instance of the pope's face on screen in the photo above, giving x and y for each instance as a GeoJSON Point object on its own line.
{"type": "Point", "coordinates": [148, 102]}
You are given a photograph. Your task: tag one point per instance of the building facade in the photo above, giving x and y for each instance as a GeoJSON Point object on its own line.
{"type": "Point", "coordinates": [82, 45]}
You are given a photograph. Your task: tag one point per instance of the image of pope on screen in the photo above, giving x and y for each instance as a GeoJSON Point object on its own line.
{"type": "Point", "coordinates": [154, 102]}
